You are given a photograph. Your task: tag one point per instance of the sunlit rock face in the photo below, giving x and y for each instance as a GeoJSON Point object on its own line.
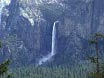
{"type": "Point", "coordinates": [4, 3]}
{"type": "Point", "coordinates": [26, 29]}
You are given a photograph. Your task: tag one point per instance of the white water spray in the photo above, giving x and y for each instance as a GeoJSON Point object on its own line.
{"type": "Point", "coordinates": [3, 3]}
{"type": "Point", "coordinates": [53, 48]}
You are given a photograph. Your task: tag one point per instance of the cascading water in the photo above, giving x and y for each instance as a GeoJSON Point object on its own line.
{"type": "Point", "coordinates": [3, 3]}
{"type": "Point", "coordinates": [53, 48]}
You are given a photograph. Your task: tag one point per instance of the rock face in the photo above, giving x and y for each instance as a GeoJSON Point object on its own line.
{"type": "Point", "coordinates": [26, 30]}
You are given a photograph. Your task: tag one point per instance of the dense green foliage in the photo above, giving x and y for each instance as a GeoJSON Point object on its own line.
{"type": "Point", "coordinates": [50, 72]}
{"type": "Point", "coordinates": [96, 60]}
{"type": "Point", "coordinates": [4, 67]}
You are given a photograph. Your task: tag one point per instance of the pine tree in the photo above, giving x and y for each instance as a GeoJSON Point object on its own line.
{"type": "Point", "coordinates": [4, 65]}
{"type": "Point", "coordinates": [95, 60]}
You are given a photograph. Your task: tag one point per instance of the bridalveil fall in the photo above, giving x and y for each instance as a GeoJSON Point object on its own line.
{"type": "Point", "coordinates": [53, 48]}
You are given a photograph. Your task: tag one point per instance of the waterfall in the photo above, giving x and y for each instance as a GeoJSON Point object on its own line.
{"type": "Point", "coordinates": [3, 3]}
{"type": "Point", "coordinates": [53, 48]}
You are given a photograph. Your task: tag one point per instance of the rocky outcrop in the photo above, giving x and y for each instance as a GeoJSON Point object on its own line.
{"type": "Point", "coordinates": [27, 31]}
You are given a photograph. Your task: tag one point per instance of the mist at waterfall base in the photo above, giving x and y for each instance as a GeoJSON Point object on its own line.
{"type": "Point", "coordinates": [53, 48]}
